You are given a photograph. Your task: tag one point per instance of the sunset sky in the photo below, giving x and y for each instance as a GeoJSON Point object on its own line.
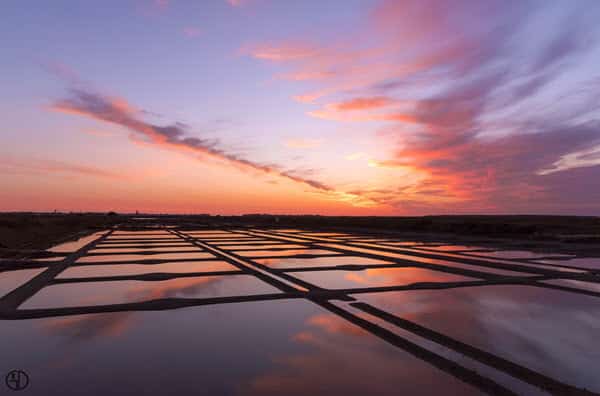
{"type": "Point", "coordinates": [350, 107]}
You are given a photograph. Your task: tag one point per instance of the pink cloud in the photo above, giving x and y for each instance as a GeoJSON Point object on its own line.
{"type": "Point", "coordinates": [453, 82]}
{"type": "Point", "coordinates": [307, 98]}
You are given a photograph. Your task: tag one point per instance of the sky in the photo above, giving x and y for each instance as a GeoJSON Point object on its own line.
{"type": "Point", "coordinates": [350, 107]}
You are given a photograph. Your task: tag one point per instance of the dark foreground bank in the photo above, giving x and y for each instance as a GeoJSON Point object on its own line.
{"type": "Point", "coordinates": [22, 231]}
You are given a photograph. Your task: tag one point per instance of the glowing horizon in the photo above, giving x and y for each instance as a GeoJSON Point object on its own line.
{"type": "Point", "coordinates": [354, 107]}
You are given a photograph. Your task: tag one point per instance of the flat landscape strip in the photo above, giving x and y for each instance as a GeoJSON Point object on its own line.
{"type": "Point", "coordinates": [350, 248]}
{"type": "Point", "coordinates": [294, 288]}
{"type": "Point", "coordinates": [588, 276]}
{"type": "Point", "coordinates": [408, 263]}
{"type": "Point", "coordinates": [238, 263]}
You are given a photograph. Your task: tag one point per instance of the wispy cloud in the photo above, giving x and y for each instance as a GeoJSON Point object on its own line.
{"type": "Point", "coordinates": [572, 160]}
{"type": "Point", "coordinates": [175, 136]}
{"type": "Point", "coordinates": [362, 103]}
{"type": "Point", "coordinates": [307, 98]}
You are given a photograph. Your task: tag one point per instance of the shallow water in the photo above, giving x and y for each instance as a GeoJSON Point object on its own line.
{"type": "Point", "coordinates": [452, 248]}
{"type": "Point", "coordinates": [72, 246]}
{"type": "Point", "coordinates": [286, 347]}
{"type": "Point", "coordinates": [585, 262]}
{"type": "Point", "coordinates": [251, 242]}
{"type": "Point", "coordinates": [133, 257]}
{"type": "Point", "coordinates": [515, 254]}
{"type": "Point", "coordinates": [146, 245]}
{"type": "Point", "coordinates": [294, 345]}
{"type": "Point", "coordinates": [260, 253]}
{"type": "Point", "coordinates": [264, 246]}
{"type": "Point", "coordinates": [318, 262]}
{"type": "Point", "coordinates": [137, 236]}
{"type": "Point", "coordinates": [404, 243]}
{"type": "Point", "coordinates": [189, 247]}
{"type": "Point", "coordinates": [546, 330]}
{"type": "Point", "coordinates": [375, 277]}
{"type": "Point", "coordinates": [591, 286]}
{"type": "Point", "coordinates": [180, 267]}
{"type": "Point", "coordinates": [101, 293]}
{"type": "Point", "coordinates": [218, 237]}
{"type": "Point", "coordinates": [10, 280]}
{"type": "Point", "coordinates": [325, 234]}
{"type": "Point", "coordinates": [451, 257]}
{"type": "Point", "coordinates": [149, 234]}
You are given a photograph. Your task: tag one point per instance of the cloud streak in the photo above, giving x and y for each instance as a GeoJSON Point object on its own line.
{"type": "Point", "coordinates": [363, 103]}
{"type": "Point", "coordinates": [175, 136]}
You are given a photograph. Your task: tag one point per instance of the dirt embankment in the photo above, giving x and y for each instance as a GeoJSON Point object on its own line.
{"type": "Point", "coordinates": [32, 231]}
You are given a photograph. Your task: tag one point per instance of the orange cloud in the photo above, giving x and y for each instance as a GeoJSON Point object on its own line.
{"type": "Point", "coordinates": [308, 98]}
{"type": "Point", "coordinates": [363, 103]}
{"type": "Point", "coordinates": [365, 109]}
{"type": "Point", "coordinates": [331, 113]}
